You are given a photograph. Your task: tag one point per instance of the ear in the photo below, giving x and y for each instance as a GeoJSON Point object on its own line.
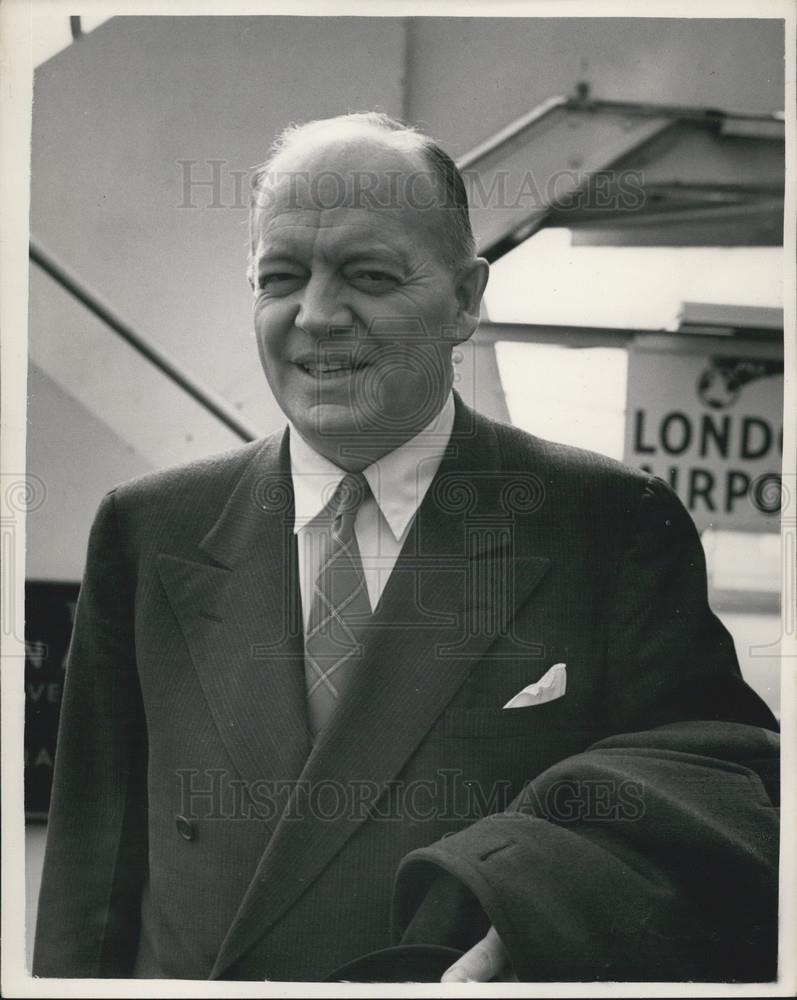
{"type": "Point", "coordinates": [470, 282]}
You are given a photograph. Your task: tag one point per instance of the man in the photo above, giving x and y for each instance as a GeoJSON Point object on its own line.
{"type": "Point", "coordinates": [399, 673]}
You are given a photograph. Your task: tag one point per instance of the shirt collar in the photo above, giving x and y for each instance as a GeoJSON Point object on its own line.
{"type": "Point", "coordinates": [398, 480]}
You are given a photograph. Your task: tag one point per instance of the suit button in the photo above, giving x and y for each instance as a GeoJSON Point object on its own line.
{"type": "Point", "coordinates": [185, 828]}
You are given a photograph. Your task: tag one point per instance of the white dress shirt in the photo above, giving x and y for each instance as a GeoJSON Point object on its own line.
{"type": "Point", "coordinates": [398, 482]}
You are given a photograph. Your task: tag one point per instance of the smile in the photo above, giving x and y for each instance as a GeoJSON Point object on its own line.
{"type": "Point", "coordinates": [329, 371]}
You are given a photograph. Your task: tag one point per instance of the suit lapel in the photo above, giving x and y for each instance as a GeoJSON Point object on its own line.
{"type": "Point", "coordinates": [238, 607]}
{"type": "Point", "coordinates": [437, 618]}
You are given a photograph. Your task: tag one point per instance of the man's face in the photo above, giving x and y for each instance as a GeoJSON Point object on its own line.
{"type": "Point", "coordinates": [356, 312]}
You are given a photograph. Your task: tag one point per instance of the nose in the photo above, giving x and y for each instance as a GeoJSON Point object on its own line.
{"type": "Point", "coordinates": [320, 306]}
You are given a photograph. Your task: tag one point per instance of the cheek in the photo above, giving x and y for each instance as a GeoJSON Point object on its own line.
{"type": "Point", "coordinates": [270, 335]}
{"type": "Point", "coordinates": [433, 313]}
{"type": "Point", "coordinates": [402, 320]}
{"type": "Point", "coordinates": [271, 324]}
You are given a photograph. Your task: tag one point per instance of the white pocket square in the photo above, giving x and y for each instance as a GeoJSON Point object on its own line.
{"type": "Point", "coordinates": [549, 687]}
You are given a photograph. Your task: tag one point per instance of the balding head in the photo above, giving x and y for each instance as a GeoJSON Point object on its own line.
{"type": "Point", "coordinates": [367, 161]}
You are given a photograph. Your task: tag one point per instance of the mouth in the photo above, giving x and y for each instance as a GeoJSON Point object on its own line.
{"type": "Point", "coordinates": [329, 370]}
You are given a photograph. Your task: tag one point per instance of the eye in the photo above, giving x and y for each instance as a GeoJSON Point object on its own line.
{"type": "Point", "coordinates": [373, 280]}
{"type": "Point", "coordinates": [278, 282]}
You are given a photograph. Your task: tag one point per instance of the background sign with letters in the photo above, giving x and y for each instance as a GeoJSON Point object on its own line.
{"type": "Point", "coordinates": [49, 611]}
{"type": "Point", "coordinates": [720, 445]}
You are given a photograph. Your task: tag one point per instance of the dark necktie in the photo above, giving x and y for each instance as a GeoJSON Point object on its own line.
{"type": "Point", "coordinates": [332, 647]}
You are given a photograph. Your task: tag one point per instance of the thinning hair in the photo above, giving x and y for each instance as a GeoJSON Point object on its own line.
{"type": "Point", "coordinates": [457, 241]}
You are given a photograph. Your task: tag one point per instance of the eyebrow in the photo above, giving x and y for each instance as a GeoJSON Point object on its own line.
{"type": "Point", "coordinates": [395, 257]}
{"type": "Point", "coordinates": [292, 251]}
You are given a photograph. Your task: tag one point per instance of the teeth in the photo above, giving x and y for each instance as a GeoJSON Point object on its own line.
{"type": "Point", "coordinates": [327, 369]}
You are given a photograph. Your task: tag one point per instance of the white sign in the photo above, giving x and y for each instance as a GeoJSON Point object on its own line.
{"type": "Point", "coordinates": [707, 417]}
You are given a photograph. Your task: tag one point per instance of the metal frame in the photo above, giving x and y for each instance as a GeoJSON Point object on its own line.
{"type": "Point", "coordinates": [765, 126]}
{"type": "Point", "coordinates": [171, 368]}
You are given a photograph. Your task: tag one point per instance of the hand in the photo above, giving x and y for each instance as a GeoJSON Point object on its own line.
{"type": "Point", "coordinates": [487, 959]}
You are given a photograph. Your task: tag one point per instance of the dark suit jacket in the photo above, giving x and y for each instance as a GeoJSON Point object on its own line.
{"type": "Point", "coordinates": [170, 854]}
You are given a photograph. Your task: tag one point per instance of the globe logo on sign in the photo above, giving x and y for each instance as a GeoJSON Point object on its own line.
{"type": "Point", "coordinates": [719, 385]}
{"type": "Point", "coordinates": [715, 390]}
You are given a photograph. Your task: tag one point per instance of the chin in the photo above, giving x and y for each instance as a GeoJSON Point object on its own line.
{"type": "Point", "coordinates": [327, 422]}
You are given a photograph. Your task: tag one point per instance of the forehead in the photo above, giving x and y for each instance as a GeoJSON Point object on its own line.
{"type": "Point", "coordinates": [340, 232]}
{"type": "Point", "coordinates": [355, 192]}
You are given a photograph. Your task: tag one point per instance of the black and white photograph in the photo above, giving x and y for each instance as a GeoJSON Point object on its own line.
{"type": "Point", "coordinates": [399, 499]}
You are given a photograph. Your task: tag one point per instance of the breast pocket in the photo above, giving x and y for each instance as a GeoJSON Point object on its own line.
{"type": "Point", "coordinates": [504, 723]}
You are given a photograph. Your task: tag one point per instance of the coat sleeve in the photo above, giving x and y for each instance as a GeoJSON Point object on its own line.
{"type": "Point", "coordinates": [653, 855]}
{"type": "Point", "coordinates": [95, 858]}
